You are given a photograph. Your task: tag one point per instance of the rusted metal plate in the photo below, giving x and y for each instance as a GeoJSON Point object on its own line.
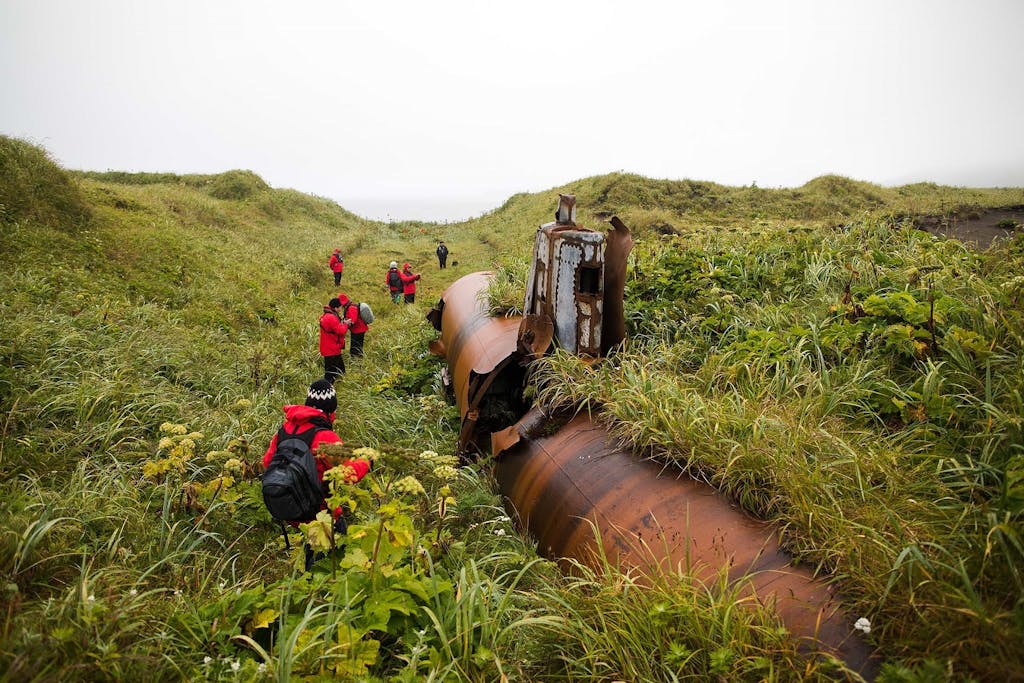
{"type": "Point", "coordinates": [618, 244]}
{"type": "Point", "coordinates": [473, 342]}
{"type": "Point", "coordinates": [559, 485]}
{"type": "Point", "coordinates": [536, 333]}
{"type": "Point", "coordinates": [566, 282]}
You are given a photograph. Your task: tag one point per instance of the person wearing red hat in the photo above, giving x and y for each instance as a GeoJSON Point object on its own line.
{"type": "Point", "coordinates": [337, 265]}
{"type": "Point", "coordinates": [333, 328]}
{"type": "Point", "coordinates": [409, 279]}
{"type": "Point", "coordinates": [357, 327]}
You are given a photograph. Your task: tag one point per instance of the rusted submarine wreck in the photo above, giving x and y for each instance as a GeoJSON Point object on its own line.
{"type": "Point", "coordinates": [567, 481]}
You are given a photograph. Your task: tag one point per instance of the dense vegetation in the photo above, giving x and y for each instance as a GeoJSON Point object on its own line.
{"type": "Point", "coordinates": [832, 369]}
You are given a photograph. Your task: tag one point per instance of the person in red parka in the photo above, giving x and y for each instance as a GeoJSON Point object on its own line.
{"type": "Point", "coordinates": [357, 327]}
{"type": "Point", "coordinates": [409, 279]}
{"type": "Point", "coordinates": [333, 328]}
{"type": "Point", "coordinates": [318, 413]}
{"type": "Point", "coordinates": [337, 265]}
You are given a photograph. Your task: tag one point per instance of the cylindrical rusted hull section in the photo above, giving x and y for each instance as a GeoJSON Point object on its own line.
{"type": "Point", "coordinates": [473, 341]}
{"type": "Point", "coordinates": [564, 484]}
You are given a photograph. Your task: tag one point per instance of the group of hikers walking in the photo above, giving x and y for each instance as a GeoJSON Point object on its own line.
{"type": "Point", "coordinates": [342, 316]}
{"type": "Point", "coordinates": [293, 480]}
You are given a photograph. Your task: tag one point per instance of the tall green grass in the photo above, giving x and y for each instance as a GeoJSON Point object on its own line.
{"type": "Point", "coordinates": [134, 300]}
{"type": "Point", "coordinates": [823, 383]}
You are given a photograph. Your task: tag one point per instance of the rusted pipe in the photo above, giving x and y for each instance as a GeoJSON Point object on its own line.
{"type": "Point", "coordinates": [474, 344]}
{"type": "Point", "coordinates": [564, 486]}
{"type": "Point", "coordinates": [560, 479]}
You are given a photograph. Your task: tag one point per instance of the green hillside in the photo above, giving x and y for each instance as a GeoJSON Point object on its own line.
{"type": "Point", "coordinates": [805, 350]}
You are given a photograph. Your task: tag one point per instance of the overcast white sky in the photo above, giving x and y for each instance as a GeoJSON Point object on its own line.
{"type": "Point", "coordinates": [444, 109]}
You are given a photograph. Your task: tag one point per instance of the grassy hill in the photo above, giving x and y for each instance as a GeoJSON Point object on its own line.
{"type": "Point", "coordinates": [803, 349]}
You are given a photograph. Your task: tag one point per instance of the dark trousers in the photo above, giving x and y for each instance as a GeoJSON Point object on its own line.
{"type": "Point", "coordinates": [356, 344]}
{"type": "Point", "coordinates": [311, 557]}
{"type": "Point", "coordinates": [442, 260]}
{"type": "Point", "coordinates": [337, 279]}
{"type": "Point", "coordinates": [410, 298]}
{"type": "Point", "coordinates": [334, 366]}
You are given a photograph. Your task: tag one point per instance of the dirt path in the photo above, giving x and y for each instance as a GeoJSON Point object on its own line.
{"type": "Point", "coordinates": [978, 229]}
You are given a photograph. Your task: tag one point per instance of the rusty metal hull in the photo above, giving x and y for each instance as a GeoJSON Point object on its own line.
{"type": "Point", "coordinates": [473, 342]}
{"type": "Point", "coordinates": [561, 483]}
{"type": "Point", "coordinates": [566, 485]}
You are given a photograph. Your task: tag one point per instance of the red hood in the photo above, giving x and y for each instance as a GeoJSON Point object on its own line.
{"type": "Point", "coordinates": [302, 415]}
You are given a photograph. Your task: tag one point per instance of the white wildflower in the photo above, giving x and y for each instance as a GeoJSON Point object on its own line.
{"type": "Point", "coordinates": [133, 592]}
{"type": "Point", "coordinates": [236, 665]}
{"type": "Point", "coordinates": [262, 668]}
{"type": "Point", "coordinates": [207, 659]}
{"type": "Point", "coordinates": [91, 598]}
{"type": "Point", "coordinates": [863, 624]}
{"type": "Point", "coordinates": [499, 532]}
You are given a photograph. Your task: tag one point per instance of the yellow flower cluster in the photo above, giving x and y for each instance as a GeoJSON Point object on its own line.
{"type": "Point", "coordinates": [369, 454]}
{"type": "Point", "coordinates": [241, 405]}
{"type": "Point", "coordinates": [172, 428]}
{"type": "Point", "coordinates": [214, 456]}
{"type": "Point", "coordinates": [234, 466]}
{"type": "Point", "coordinates": [446, 472]}
{"type": "Point", "coordinates": [410, 485]}
{"type": "Point", "coordinates": [340, 474]}
{"type": "Point", "coordinates": [180, 446]}
{"type": "Point", "coordinates": [432, 459]}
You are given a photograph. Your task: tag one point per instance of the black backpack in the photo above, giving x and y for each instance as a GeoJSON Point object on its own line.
{"type": "Point", "coordinates": [394, 279]}
{"type": "Point", "coordinates": [291, 486]}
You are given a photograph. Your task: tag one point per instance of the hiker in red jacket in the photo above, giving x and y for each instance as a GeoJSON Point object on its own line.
{"type": "Point", "coordinates": [337, 265]}
{"type": "Point", "coordinates": [357, 327]}
{"type": "Point", "coordinates": [333, 329]}
{"type": "Point", "coordinates": [318, 413]}
{"type": "Point", "coordinates": [409, 279]}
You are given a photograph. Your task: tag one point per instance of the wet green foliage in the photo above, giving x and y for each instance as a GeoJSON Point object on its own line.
{"type": "Point", "coordinates": [851, 378]}
{"type": "Point", "coordinates": [861, 386]}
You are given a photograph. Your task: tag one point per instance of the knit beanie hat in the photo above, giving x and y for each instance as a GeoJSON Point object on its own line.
{"type": "Point", "coordinates": [321, 396]}
{"type": "Point", "coordinates": [394, 264]}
